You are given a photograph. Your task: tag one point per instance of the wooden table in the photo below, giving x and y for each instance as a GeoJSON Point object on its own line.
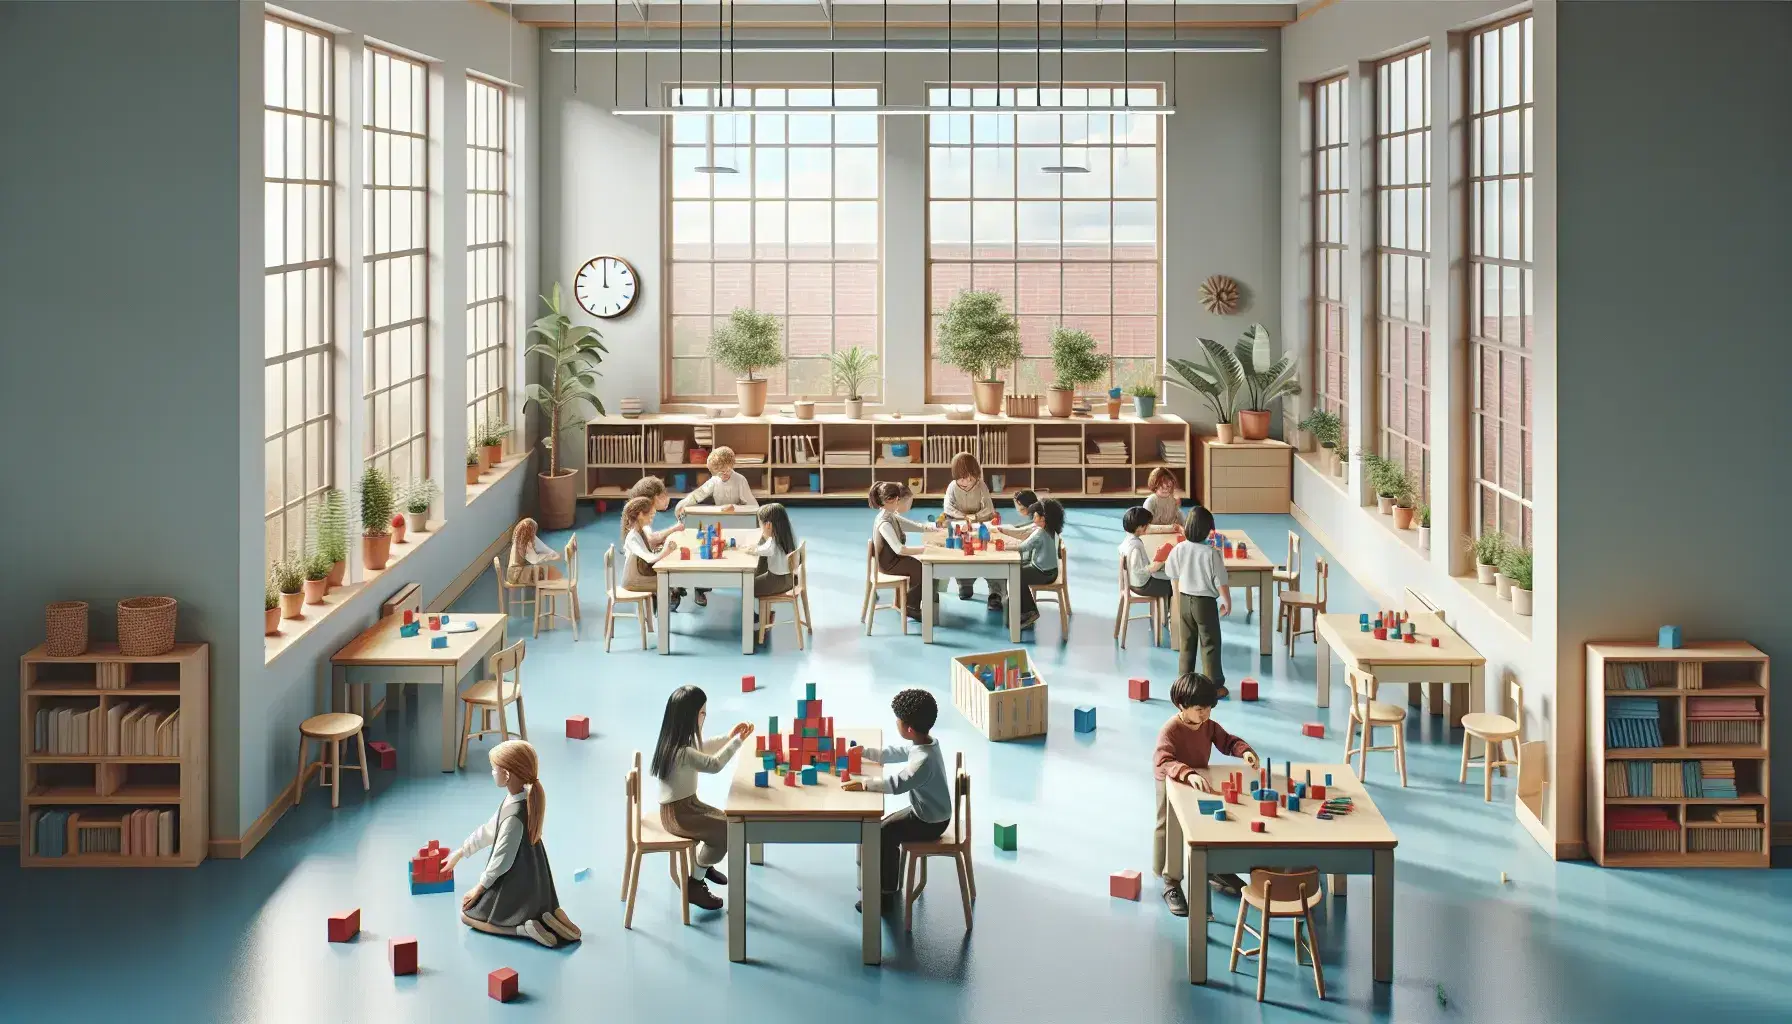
{"type": "Point", "coordinates": [1251, 571]}
{"type": "Point", "coordinates": [380, 655]}
{"type": "Point", "coordinates": [822, 813]}
{"type": "Point", "coordinates": [739, 519]}
{"type": "Point", "coordinates": [735, 569]}
{"type": "Point", "coordinates": [987, 564]}
{"type": "Point", "coordinates": [1452, 663]}
{"type": "Point", "coordinates": [1359, 843]}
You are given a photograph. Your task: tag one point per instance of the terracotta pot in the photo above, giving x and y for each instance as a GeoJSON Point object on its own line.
{"type": "Point", "coordinates": [989, 396]}
{"type": "Point", "coordinates": [491, 454]}
{"type": "Point", "coordinates": [292, 606]}
{"type": "Point", "coordinates": [1113, 408]}
{"type": "Point", "coordinates": [1058, 401]}
{"type": "Point", "coordinates": [338, 573]}
{"type": "Point", "coordinates": [1402, 517]}
{"type": "Point", "coordinates": [1502, 586]}
{"type": "Point", "coordinates": [472, 474]}
{"type": "Point", "coordinates": [1425, 537]}
{"type": "Point", "coordinates": [1521, 601]}
{"type": "Point", "coordinates": [376, 551]}
{"type": "Point", "coordinates": [273, 623]}
{"type": "Point", "coordinates": [1385, 503]}
{"type": "Point", "coordinates": [316, 589]}
{"type": "Point", "coordinates": [557, 494]}
{"type": "Point", "coordinates": [416, 522]}
{"type": "Point", "coordinates": [1226, 432]}
{"type": "Point", "coordinates": [399, 527]}
{"type": "Point", "coordinates": [1484, 574]}
{"type": "Point", "coordinates": [855, 407]}
{"type": "Point", "coordinates": [751, 394]}
{"type": "Point", "coordinates": [1253, 424]}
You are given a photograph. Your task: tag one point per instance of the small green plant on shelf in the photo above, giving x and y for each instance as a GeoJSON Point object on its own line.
{"type": "Point", "coordinates": [1325, 426]}
{"type": "Point", "coordinates": [420, 494]}
{"type": "Point", "coordinates": [850, 368]}
{"type": "Point", "coordinates": [472, 455]}
{"type": "Point", "coordinates": [1488, 548]}
{"type": "Point", "coordinates": [328, 515]}
{"type": "Point", "coordinates": [376, 502]}
{"type": "Point", "coordinates": [1142, 391]}
{"type": "Point", "coordinates": [288, 575]}
{"type": "Point", "coordinates": [1381, 472]}
{"type": "Point", "coordinates": [1516, 564]}
{"type": "Point", "coordinates": [1405, 492]}
{"type": "Point", "coordinates": [1425, 516]}
{"type": "Point", "coordinates": [317, 567]}
{"type": "Point", "coordinates": [272, 596]}
{"type": "Point", "coordinates": [492, 433]}
{"type": "Point", "coordinates": [1075, 361]}
{"type": "Point", "coordinates": [747, 342]}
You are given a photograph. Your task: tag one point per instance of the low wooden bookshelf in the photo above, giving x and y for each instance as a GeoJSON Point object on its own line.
{"type": "Point", "coordinates": [833, 457]}
{"type": "Point", "coordinates": [103, 787]}
{"type": "Point", "coordinates": [1709, 703]}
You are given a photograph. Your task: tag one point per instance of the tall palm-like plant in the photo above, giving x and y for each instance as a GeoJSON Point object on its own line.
{"type": "Point", "coordinates": [1265, 379]}
{"type": "Point", "coordinates": [1216, 378]}
{"type": "Point", "coordinates": [574, 352]}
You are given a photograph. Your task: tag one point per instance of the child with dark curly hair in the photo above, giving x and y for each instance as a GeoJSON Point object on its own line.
{"type": "Point", "coordinates": [923, 778]}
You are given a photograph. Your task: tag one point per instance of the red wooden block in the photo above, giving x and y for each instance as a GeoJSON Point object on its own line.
{"type": "Point", "coordinates": [1434, 641]}
{"type": "Point", "coordinates": [1163, 553]}
{"type": "Point", "coordinates": [501, 984]}
{"type": "Point", "coordinates": [1258, 826]}
{"type": "Point", "coordinates": [790, 776]}
{"type": "Point", "coordinates": [386, 758]}
{"type": "Point", "coordinates": [408, 616]}
{"type": "Point", "coordinates": [1316, 793]}
{"type": "Point", "coordinates": [1232, 795]}
{"type": "Point", "coordinates": [1247, 689]}
{"type": "Point", "coordinates": [827, 728]}
{"type": "Point", "coordinates": [1381, 633]}
{"type": "Point", "coordinates": [1313, 729]}
{"type": "Point", "coordinates": [435, 622]}
{"type": "Point", "coordinates": [402, 954]}
{"type": "Point", "coordinates": [759, 744]}
{"type": "Point", "coordinates": [578, 728]}
{"type": "Point", "coordinates": [854, 759]}
{"type": "Point", "coordinates": [1409, 638]}
{"type": "Point", "coordinates": [1124, 885]}
{"type": "Point", "coordinates": [1267, 808]}
{"type": "Point", "coordinates": [344, 927]}
{"type": "Point", "coordinates": [747, 684]}
{"type": "Point", "coordinates": [1138, 689]}
{"type": "Point", "coordinates": [684, 554]}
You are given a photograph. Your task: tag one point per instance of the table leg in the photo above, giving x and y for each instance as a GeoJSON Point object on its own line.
{"type": "Point", "coordinates": [737, 890]}
{"type": "Point", "coordinates": [1337, 885]}
{"type": "Point", "coordinates": [1382, 916]}
{"type": "Point", "coordinates": [1195, 880]}
{"type": "Point", "coordinates": [747, 604]}
{"type": "Point", "coordinates": [756, 853]}
{"type": "Point", "coordinates": [1322, 669]}
{"type": "Point", "coordinates": [927, 602]}
{"type": "Point", "coordinates": [1014, 603]}
{"type": "Point", "coordinates": [664, 590]}
{"type": "Point", "coordinates": [871, 855]}
{"type": "Point", "coordinates": [338, 688]}
{"type": "Point", "coordinates": [1471, 693]}
{"type": "Point", "coordinates": [1263, 615]}
{"type": "Point", "coordinates": [1434, 692]}
{"type": "Point", "coordinates": [450, 704]}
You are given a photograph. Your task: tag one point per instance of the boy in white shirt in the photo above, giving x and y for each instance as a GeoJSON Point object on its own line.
{"type": "Point", "coordinates": [725, 489]}
{"type": "Point", "coordinates": [1145, 575]}
{"type": "Point", "coordinates": [1198, 572]}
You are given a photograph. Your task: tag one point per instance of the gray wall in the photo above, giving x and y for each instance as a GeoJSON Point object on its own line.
{"type": "Point", "coordinates": [1674, 306]}
{"type": "Point", "coordinates": [118, 275]}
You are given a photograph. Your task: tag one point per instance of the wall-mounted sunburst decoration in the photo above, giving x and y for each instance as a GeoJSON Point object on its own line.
{"type": "Point", "coordinates": [1219, 294]}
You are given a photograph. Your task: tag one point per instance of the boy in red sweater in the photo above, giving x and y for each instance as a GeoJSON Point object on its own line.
{"type": "Point", "coordinates": [1185, 744]}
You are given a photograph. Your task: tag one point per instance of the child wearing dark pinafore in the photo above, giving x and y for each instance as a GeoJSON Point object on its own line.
{"type": "Point", "coordinates": [515, 893]}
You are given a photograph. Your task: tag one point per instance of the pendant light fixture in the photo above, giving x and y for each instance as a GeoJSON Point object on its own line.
{"type": "Point", "coordinates": [724, 97]}
{"type": "Point", "coordinates": [1065, 166]}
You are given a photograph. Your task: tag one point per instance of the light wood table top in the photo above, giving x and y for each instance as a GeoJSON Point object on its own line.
{"type": "Point", "coordinates": [381, 644]}
{"type": "Point", "coordinates": [1345, 635]}
{"type": "Point", "coordinates": [1256, 561]}
{"type": "Point", "coordinates": [825, 799]}
{"type": "Point", "coordinates": [1362, 828]}
{"type": "Point", "coordinates": [937, 551]}
{"type": "Point", "coordinates": [735, 559]}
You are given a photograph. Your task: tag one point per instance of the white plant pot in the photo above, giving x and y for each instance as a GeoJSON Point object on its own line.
{"type": "Point", "coordinates": [855, 408]}
{"type": "Point", "coordinates": [1502, 586]}
{"type": "Point", "coordinates": [416, 522]}
{"type": "Point", "coordinates": [1425, 537]}
{"type": "Point", "coordinates": [1484, 573]}
{"type": "Point", "coordinates": [1385, 503]}
{"type": "Point", "coordinates": [1521, 601]}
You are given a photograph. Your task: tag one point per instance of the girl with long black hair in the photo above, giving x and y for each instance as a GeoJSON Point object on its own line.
{"type": "Point", "coordinates": [678, 757]}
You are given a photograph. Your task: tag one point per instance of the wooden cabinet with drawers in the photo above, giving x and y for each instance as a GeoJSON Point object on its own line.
{"type": "Point", "coordinates": [1246, 476]}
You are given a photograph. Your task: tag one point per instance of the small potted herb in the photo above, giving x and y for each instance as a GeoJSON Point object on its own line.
{"type": "Point", "coordinates": [273, 609]}
{"type": "Point", "coordinates": [850, 369]}
{"type": "Point", "coordinates": [1516, 566]}
{"type": "Point", "coordinates": [328, 514]}
{"type": "Point", "coordinates": [1328, 430]}
{"type": "Point", "coordinates": [419, 495]}
{"type": "Point", "coordinates": [1384, 476]}
{"type": "Point", "coordinates": [1488, 548]}
{"type": "Point", "coordinates": [376, 518]}
{"type": "Point", "coordinates": [978, 335]}
{"type": "Point", "coordinates": [1425, 527]}
{"type": "Point", "coordinates": [1144, 400]}
{"type": "Point", "coordinates": [288, 576]}
{"type": "Point", "coordinates": [491, 441]}
{"type": "Point", "coordinates": [1405, 494]}
{"type": "Point", "coordinates": [747, 343]}
{"type": "Point", "coordinates": [473, 463]}
{"type": "Point", "coordinates": [317, 577]}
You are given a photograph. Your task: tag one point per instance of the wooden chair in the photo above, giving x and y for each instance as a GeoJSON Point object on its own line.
{"type": "Point", "coordinates": [1372, 714]}
{"type": "Point", "coordinates": [1059, 589]}
{"type": "Point", "coordinates": [1123, 617]}
{"type": "Point", "coordinates": [513, 596]}
{"type": "Point", "coordinates": [796, 597]}
{"type": "Point", "coordinates": [876, 581]}
{"type": "Point", "coordinates": [494, 694]}
{"type": "Point", "coordinates": [1287, 575]}
{"type": "Point", "coordinates": [1493, 731]}
{"type": "Point", "coordinates": [642, 836]}
{"type": "Point", "coordinates": [550, 591]}
{"type": "Point", "coordinates": [957, 845]}
{"type": "Point", "coordinates": [641, 604]}
{"type": "Point", "coordinates": [1279, 894]}
{"type": "Point", "coordinates": [329, 731]}
{"type": "Point", "coordinates": [1294, 602]}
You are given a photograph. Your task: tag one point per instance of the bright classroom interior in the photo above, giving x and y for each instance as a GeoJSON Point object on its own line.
{"type": "Point", "coordinates": [1144, 462]}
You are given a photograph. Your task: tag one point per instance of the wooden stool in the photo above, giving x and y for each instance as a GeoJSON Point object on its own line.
{"type": "Point", "coordinates": [640, 604]}
{"type": "Point", "coordinates": [1059, 589]}
{"type": "Point", "coordinates": [1124, 618]}
{"type": "Point", "coordinates": [1370, 713]}
{"type": "Point", "coordinates": [876, 581]}
{"type": "Point", "coordinates": [1294, 602]}
{"type": "Point", "coordinates": [1289, 894]}
{"type": "Point", "coordinates": [956, 845]}
{"type": "Point", "coordinates": [642, 835]}
{"type": "Point", "coordinates": [495, 693]}
{"type": "Point", "coordinates": [329, 731]}
{"type": "Point", "coordinates": [797, 597]}
{"type": "Point", "coordinates": [1493, 731]}
{"type": "Point", "coordinates": [551, 590]}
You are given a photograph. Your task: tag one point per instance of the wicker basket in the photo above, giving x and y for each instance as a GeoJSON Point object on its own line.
{"type": "Point", "coordinates": [145, 626]}
{"type": "Point", "coordinates": [65, 629]}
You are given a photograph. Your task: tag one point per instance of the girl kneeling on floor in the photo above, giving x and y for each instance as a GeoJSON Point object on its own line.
{"type": "Point", "coordinates": [515, 893]}
{"type": "Point", "coordinates": [678, 757]}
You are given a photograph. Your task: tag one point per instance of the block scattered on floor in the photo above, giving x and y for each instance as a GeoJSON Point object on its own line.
{"type": "Point", "coordinates": [578, 727]}
{"type": "Point", "coordinates": [1006, 837]}
{"type": "Point", "coordinates": [402, 954]}
{"type": "Point", "coordinates": [1138, 689]}
{"type": "Point", "coordinates": [1247, 689]}
{"type": "Point", "coordinates": [384, 757]}
{"type": "Point", "coordinates": [1085, 719]}
{"type": "Point", "coordinates": [1124, 885]}
{"type": "Point", "coordinates": [344, 927]}
{"type": "Point", "coordinates": [747, 684]}
{"type": "Point", "coordinates": [501, 984]}
{"type": "Point", "coordinates": [1314, 729]}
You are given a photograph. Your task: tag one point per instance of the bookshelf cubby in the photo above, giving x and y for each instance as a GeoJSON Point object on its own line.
{"type": "Point", "coordinates": [88, 778]}
{"type": "Point", "coordinates": [832, 457]}
{"type": "Point", "coordinates": [1678, 771]}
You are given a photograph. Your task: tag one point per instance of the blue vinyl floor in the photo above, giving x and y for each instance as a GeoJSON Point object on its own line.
{"type": "Point", "coordinates": [244, 940]}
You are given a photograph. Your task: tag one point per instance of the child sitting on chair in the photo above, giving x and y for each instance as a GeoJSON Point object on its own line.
{"type": "Point", "coordinates": [1187, 742]}
{"type": "Point", "coordinates": [1162, 503]}
{"type": "Point", "coordinates": [515, 893]}
{"type": "Point", "coordinates": [929, 810]}
{"type": "Point", "coordinates": [725, 489]}
{"type": "Point", "coordinates": [968, 500]}
{"type": "Point", "coordinates": [527, 555]}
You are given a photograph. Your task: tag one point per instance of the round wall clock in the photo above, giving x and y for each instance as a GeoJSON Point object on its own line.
{"type": "Point", "coordinates": [606, 286]}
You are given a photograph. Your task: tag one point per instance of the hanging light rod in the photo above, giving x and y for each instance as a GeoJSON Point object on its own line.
{"type": "Point", "coordinates": [1002, 46]}
{"type": "Point", "coordinates": [887, 111]}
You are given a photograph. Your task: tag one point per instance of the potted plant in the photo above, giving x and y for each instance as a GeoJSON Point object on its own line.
{"type": "Point", "coordinates": [398, 530]}
{"type": "Point", "coordinates": [1488, 548]}
{"type": "Point", "coordinates": [980, 337]}
{"type": "Point", "coordinates": [474, 462]}
{"type": "Point", "coordinates": [419, 495]}
{"type": "Point", "coordinates": [1382, 479]}
{"type": "Point", "coordinates": [1074, 363]}
{"type": "Point", "coordinates": [328, 514]}
{"type": "Point", "coordinates": [849, 369]}
{"type": "Point", "coordinates": [317, 577]}
{"type": "Point", "coordinates": [1502, 583]}
{"type": "Point", "coordinates": [573, 353]}
{"type": "Point", "coordinates": [1328, 430]}
{"type": "Point", "coordinates": [1265, 381]}
{"type": "Point", "coordinates": [1404, 496]}
{"type": "Point", "coordinates": [1516, 566]}
{"type": "Point", "coordinates": [491, 437]}
{"type": "Point", "coordinates": [1343, 466]}
{"type": "Point", "coordinates": [1144, 400]}
{"type": "Point", "coordinates": [1216, 378]}
{"type": "Point", "coordinates": [1425, 527]}
{"type": "Point", "coordinates": [288, 576]}
{"type": "Point", "coordinates": [273, 609]}
{"type": "Point", "coordinates": [376, 518]}
{"type": "Point", "coordinates": [747, 343]}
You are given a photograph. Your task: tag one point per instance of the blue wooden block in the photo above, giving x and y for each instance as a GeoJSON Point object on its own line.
{"type": "Point", "coordinates": [409, 630]}
{"type": "Point", "coordinates": [1294, 803]}
{"type": "Point", "coordinates": [1328, 778]}
{"type": "Point", "coordinates": [761, 779]}
{"type": "Point", "coordinates": [809, 776]}
{"type": "Point", "coordinates": [438, 642]}
{"type": "Point", "coordinates": [1300, 789]}
{"type": "Point", "coordinates": [809, 691]}
{"type": "Point", "coordinates": [1219, 815]}
{"type": "Point", "coordinates": [1085, 719]}
{"type": "Point", "coordinates": [1670, 637]}
{"type": "Point", "coordinates": [852, 743]}
{"type": "Point", "coordinates": [1209, 806]}
{"type": "Point", "coordinates": [802, 710]}
{"type": "Point", "coordinates": [1322, 816]}
{"type": "Point", "coordinates": [581, 875]}
{"type": "Point", "coordinates": [827, 744]}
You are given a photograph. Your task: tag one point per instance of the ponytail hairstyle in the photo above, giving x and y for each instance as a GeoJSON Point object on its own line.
{"type": "Point", "coordinates": [776, 515]}
{"type": "Point", "coordinates": [635, 512]}
{"type": "Point", "coordinates": [678, 728]}
{"type": "Point", "coordinates": [522, 541]}
{"type": "Point", "coordinates": [885, 491]}
{"type": "Point", "coordinates": [517, 757]}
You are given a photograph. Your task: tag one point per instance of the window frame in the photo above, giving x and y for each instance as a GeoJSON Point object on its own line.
{"type": "Point", "coordinates": [1412, 453]}
{"type": "Point", "coordinates": [1330, 98]}
{"type": "Point", "coordinates": [492, 404]}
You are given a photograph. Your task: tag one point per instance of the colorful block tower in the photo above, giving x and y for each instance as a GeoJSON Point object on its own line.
{"type": "Point", "coordinates": [429, 870]}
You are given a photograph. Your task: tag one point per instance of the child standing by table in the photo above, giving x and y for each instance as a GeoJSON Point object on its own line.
{"type": "Point", "coordinates": [1162, 503]}
{"type": "Point", "coordinates": [889, 539]}
{"type": "Point", "coordinates": [639, 553]}
{"type": "Point", "coordinates": [1185, 743]}
{"type": "Point", "coordinates": [1144, 574]}
{"type": "Point", "coordinates": [725, 489]}
{"type": "Point", "coordinates": [1198, 572]}
{"type": "Point", "coordinates": [678, 757]}
{"type": "Point", "coordinates": [968, 500]}
{"type": "Point", "coordinates": [1039, 557]}
{"type": "Point", "coordinates": [929, 811]}
{"type": "Point", "coordinates": [515, 893]}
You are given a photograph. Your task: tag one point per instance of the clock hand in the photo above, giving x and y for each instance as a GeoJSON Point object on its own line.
{"type": "Point", "coordinates": [606, 274]}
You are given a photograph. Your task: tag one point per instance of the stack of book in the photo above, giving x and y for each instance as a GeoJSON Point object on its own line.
{"type": "Point", "coordinates": [846, 457]}
{"type": "Point", "coordinates": [1717, 780]}
{"type": "Point", "coordinates": [993, 447]}
{"type": "Point", "coordinates": [1723, 840]}
{"type": "Point", "coordinates": [1173, 451]}
{"type": "Point", "coordinates": [149, 833]}
{"type": "Point", "coordinates": [1723, 720]}
{"type": "Point", "coordinates": [616, 449]}
{"type": "Point", "coordinates": [749, 458]}
{"type": "Point", "coordinates": [1641, 830]}
{"type": "Point", "coordinates": [1059, 453]}
{"type": "Point", "coordinates": [1737, 816]}
{"type": "Point", "coordinates": [1638, 675]}
{"type": "Point", "coordinates": [68, 731]}
{"type": "Point", "coordinates": [1667, 779]}
{"type": "Point", "coordinates": [1632, 722]}
{"type": "Point", "coordinates": [1108, 452]}
{"type": "Point", "coordinates": [631, 408]}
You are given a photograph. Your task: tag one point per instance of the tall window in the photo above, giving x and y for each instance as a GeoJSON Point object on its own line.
{"type": "Point", "coordinates": [299, 204]}
{"type": "Point", "coordinates": [1331, 195]}
{"type": "Point", "coordinates": [395, 269]}
{"type": "Point", "coordinates": [488, 253]}
{"type": "Point", "coordinates": [1074, 249]}
{"type": "Point", "coordinates": [785, 221]}
{"type": "Point", "coordinates": [1402, 270]}
{"type": "Point", "coordinates": [1500, 302]}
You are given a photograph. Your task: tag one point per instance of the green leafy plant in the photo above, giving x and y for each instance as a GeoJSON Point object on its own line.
{"type": "Point", "coordinates": [1488, 548]}
{"type": "Point", "coordinates": [1325, 426]}
{"type": "Point", "coordinates": [1265, 379]}
{"type": "Point", "coordinates": [288, 575]}
{"type": "Point", "coordinates": [850, 368]}
{"type": "Point", "coordinates": [1400, 485]}
{"type": "Point", "coordinates": [328, 524]}
{"type": "Point", "coordinates": [492, 432]}
{"type": "Point", "coordinates": [376, 501]}
{"type": "Point", "coordinates": [1425, 516]}
{"type": "Point", "coordinates": [1216, 378]}
{"type": "Point", "coordinates": [472, 455]}
{"type": "Point", "coordinates": [1382, 473]}
{"type": "Point", "coordinates": [420, 494]}
{"type": "Point", "coordinates": [317, 567]}
{"type": "Point", "coordinates": [1074, 359]}
{"type": "Point", "coordinates": [1515, 564]}
{"type": "Point", "coordinates": [1142, 391]}
{"type": "Point", "coordinates": [273, 597]}
{"type": "Point", "coordinates": [747, 343]}
{"type": "Point", "coordinates": [573, 352]}
{"type": "Point", "coordinates": [978, 335]}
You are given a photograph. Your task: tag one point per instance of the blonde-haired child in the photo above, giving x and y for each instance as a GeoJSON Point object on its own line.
{"type": "Point", "coordinates": [527, 553]}
{"type": "Point", "coordinates": [968, 499]}
{"type": "Point", "coordinates": [639, 551]}
{"type": "Point", "coordinates": [515, 893]}
{"type": "Point", "coordinates": [725, 488]}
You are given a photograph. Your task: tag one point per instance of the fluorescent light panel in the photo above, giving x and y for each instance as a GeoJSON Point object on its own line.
{"type": "Point", "coordinates": [1025, 47]}
{"type": "Point", "coordinates": [886, 111]}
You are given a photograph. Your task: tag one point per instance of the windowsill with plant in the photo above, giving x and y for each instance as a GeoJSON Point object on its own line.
{"type": "Point", "coordinates": [1495, 555]}
{"type": "Point", "coordinates": [1328, 460]}
{"type": "Point", "coordinates": [495, 472]}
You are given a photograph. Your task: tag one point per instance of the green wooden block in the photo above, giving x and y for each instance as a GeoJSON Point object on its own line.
{"type": "Point", "coordinates": [811, 733]}
{"type": "Point", "coordinates": [773, 731]}
{"type": "Point", "coordinates": [1006, 838]}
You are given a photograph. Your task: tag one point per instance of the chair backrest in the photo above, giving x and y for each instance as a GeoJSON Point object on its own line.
{"type": "Point", "coordinates": [870, 561]}
{"type": "Point", "coordinates": [1322, 589]}
{"type": "Point", "coordinates": [1362, 685]}
{"type": "Point", "coordinates": [1293, 561]}
{"type": "Point", "coordinates": [507, 662]}
{"type": "Point", "coordinates": [503, 586]}
{"type": "Point", "coordinates": [610, 570]}
{"type": "Point", "coordinates": [1125, 579]}
{"type": "Point", "coordinates": [1285, 886]}
{"type": "Point", "coordinates": [1063, 562]}
{"type": "Point", "coordinates": [631, 803]}
{"type": "Point", "coordinates": [961, 803]}
{"type": "Point", "coordinates": [799, 567]}
{"type": "Point", "coordinates": [572, 561]}
{"type": "Point", "coordinates": [1516, 689]}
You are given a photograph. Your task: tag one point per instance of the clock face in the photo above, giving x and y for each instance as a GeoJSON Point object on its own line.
{"type": "Point", "coordinates": [606, 286]}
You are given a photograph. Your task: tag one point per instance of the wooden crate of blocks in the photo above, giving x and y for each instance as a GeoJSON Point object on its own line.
{"type": "Point", "coordinates": [1001, 694]}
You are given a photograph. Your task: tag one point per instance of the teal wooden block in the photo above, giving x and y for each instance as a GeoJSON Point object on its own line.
{"type": "Point", "coordinates": [1209, 806]}
{"type": "Point", "coordinates": [438, 642]}
{"type": "Point", "coordinates": [809, 691]}
{"type": "Point", "coordinates": [809, 776]}
{"type": "Point", "coordinates": [1007, 837]}
{"type": "Point", "coordinates": [1669, 637]}
{"type": "Point", "coordinates": [762, 779]}
{"type": "Point", "coordinates": [1085, 719]}
{"type": "Point", "coordinates": [410, 629]}
{"type": "Point", "coordinates": [1219, 815]}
